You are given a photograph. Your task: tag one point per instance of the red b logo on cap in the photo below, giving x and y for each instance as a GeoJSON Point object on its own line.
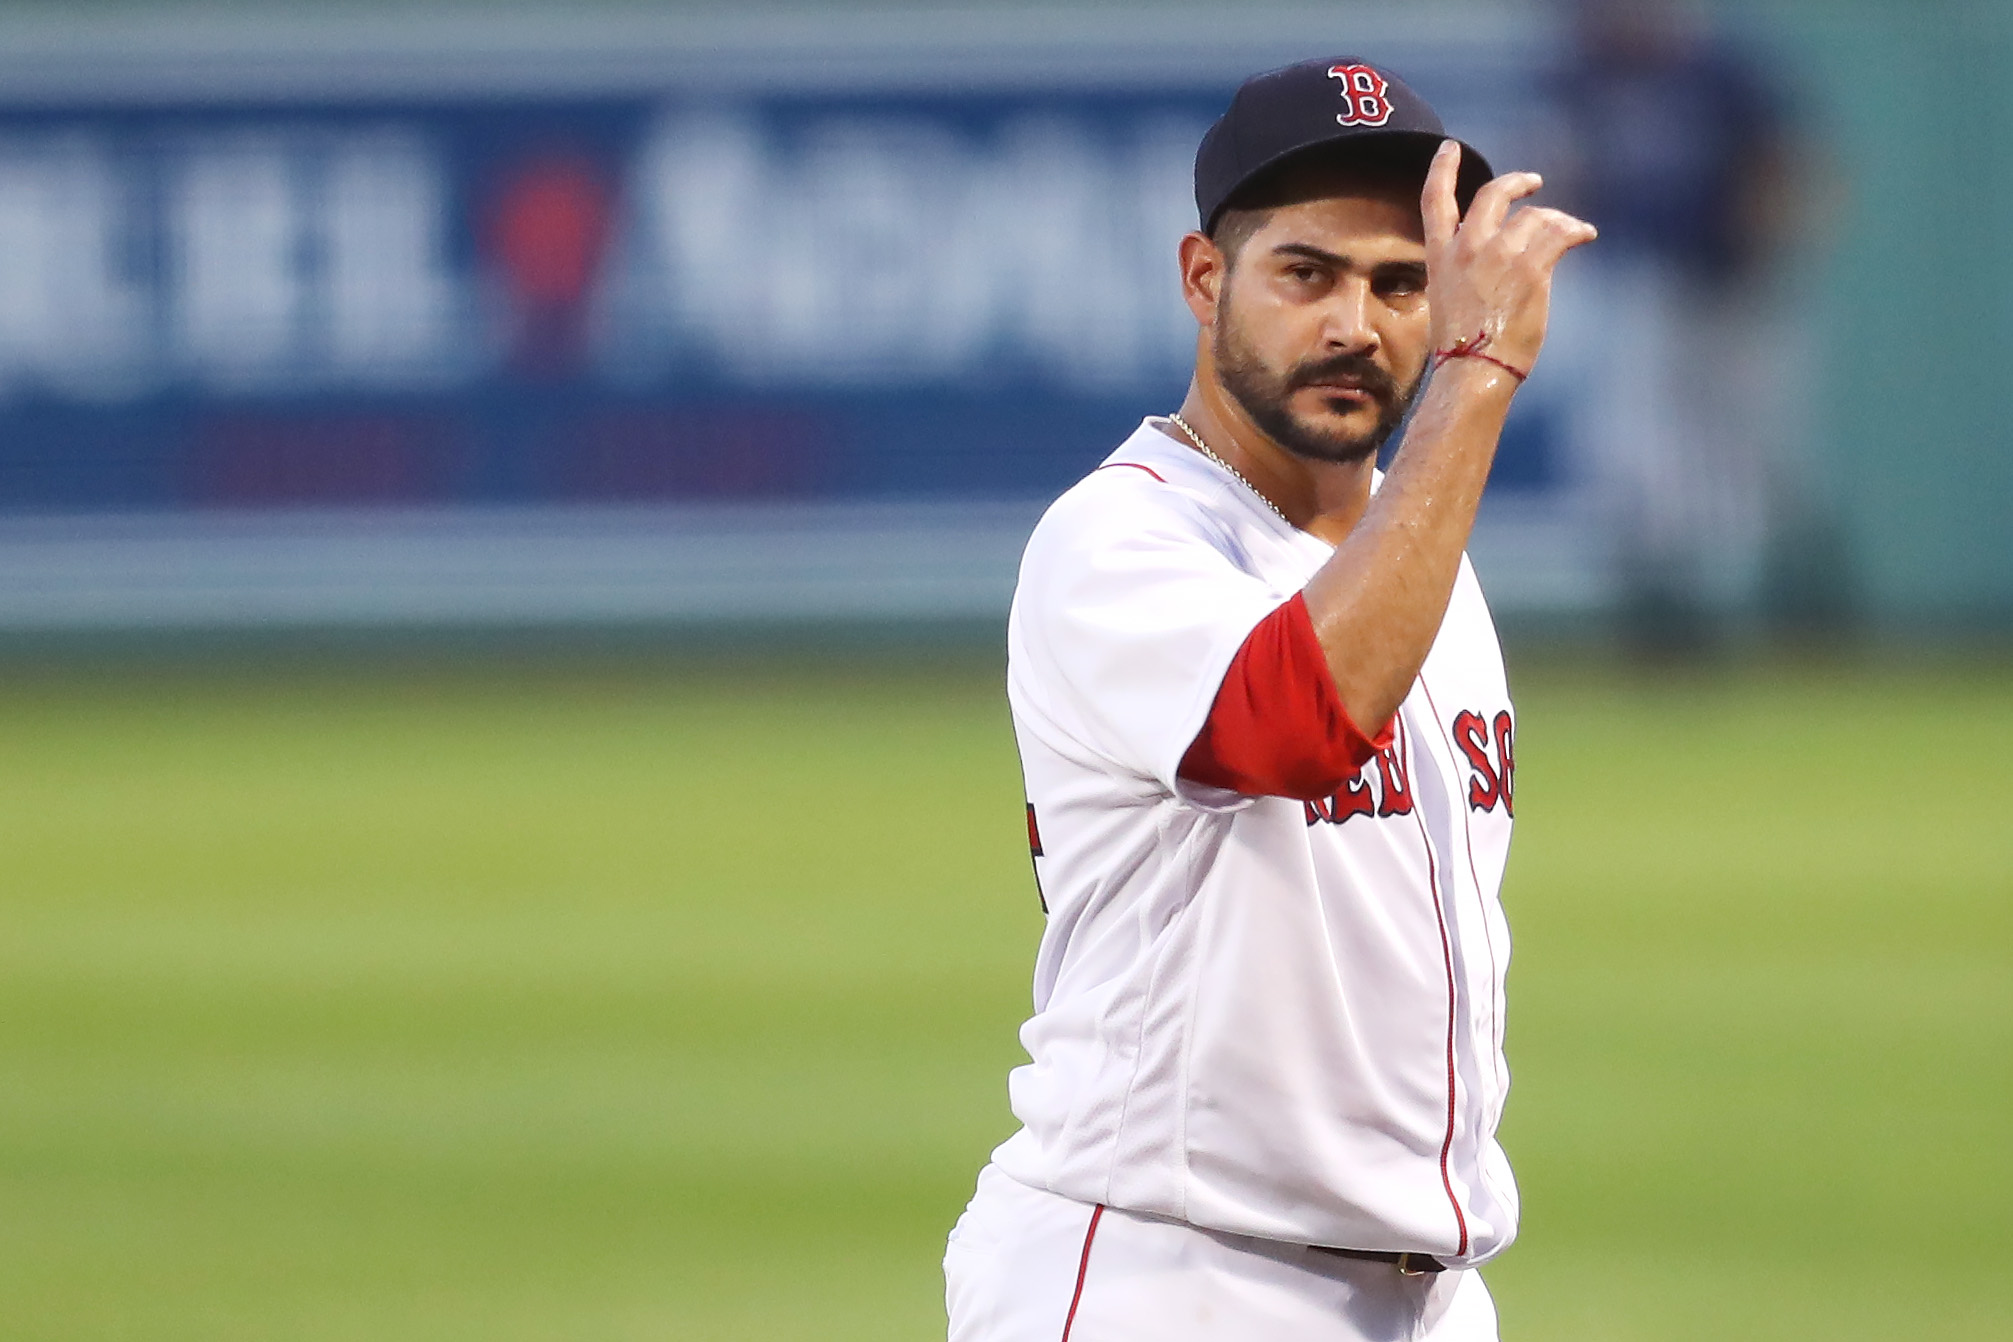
{"type": "Point", "coordinates": [1363, 94]}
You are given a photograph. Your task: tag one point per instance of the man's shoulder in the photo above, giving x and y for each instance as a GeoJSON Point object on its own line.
{"type": "Point", "coordinates": [1147, 489]}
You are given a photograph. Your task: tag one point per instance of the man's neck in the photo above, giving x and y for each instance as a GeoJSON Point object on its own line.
{"type": "Point", "coordinates": [1322, 498]}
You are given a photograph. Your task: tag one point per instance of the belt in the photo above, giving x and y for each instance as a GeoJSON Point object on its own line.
{"type": "Point", "coordinates": [1408, 1264]}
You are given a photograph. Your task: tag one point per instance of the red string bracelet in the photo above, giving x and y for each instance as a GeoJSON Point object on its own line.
{"type": "Point", "coordinates": [1471, 348]}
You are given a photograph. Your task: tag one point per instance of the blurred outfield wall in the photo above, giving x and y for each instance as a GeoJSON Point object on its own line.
{"type": "Point", "coordinates": [1915, 309]}
{"type": "Point", "coordinates": [641, 314]}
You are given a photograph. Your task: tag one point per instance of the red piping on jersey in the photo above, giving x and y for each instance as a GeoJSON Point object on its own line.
{"type": "Point", "coordinates": [1278, 727]}
{"type": "Point", "coordinates": [1083, 1263]}
{"type": "Point", "coordinates": [1468, 834]}
{"type": "Point", "coordinates": [1447, 956]}
{"type": "Point", "coordinates": [1114, 465]}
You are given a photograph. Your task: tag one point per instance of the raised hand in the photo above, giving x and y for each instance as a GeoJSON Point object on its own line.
{"type": "Point", "coordinates": [1489, 276]}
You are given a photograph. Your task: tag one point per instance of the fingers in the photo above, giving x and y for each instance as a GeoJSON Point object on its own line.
{"type": "Point", "coordinates": [1492, 203]}
{"type": "Point", "coordinates": [1438, 207]}
{"type": "Point", "coordinates": [1492, 271]}
{"type": "Point", "coordinates": [1578, 233]}
{"type": "Point", "coordinates": [1545, 235]}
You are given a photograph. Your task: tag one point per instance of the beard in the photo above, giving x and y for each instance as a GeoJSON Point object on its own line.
{"type": "Point", "coordinates": [1264, 394]}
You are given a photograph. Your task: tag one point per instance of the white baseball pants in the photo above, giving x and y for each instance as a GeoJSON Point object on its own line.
{"type": "Point", "coordinates": [1024, 1265]}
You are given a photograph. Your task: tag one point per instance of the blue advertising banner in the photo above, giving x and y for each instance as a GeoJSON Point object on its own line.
{"type": "Point", "coordinates": [557, 276]}
{"type": "Point", "coordinates": [716, 295]}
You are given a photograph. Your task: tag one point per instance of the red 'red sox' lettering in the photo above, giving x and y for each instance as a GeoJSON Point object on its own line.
{"type": "Point", "coordinates": [1355, 799]}
{"type": "Point", "coordinates": [1506, 752]}
{"type": "Point", "coordinates": [1034, 851]}
{"type": "Point", "coordinates": [1397, 788]}
{"type": "Point", "coordinates": [1494, 779]}
{"type": "Point", "coordinates": [1391, 794]}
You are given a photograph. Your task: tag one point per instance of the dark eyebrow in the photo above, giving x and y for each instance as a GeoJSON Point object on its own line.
{"type": "Point", "coordinates": [1335, 261]}
{"type": "Point", "coordinates": [1312, 254]}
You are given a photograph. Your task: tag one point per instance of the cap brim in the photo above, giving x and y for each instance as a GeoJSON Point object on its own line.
{"type": "Point", "coordinates": [1475, 169]}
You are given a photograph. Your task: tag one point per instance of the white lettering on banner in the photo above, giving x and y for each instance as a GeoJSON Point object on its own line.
{"type": "Point", "coordinates": [1087, 239]}
{"type": "Point", "coordinates": [392, 306]}
{"type": "Point", "coordinates": [71, 316]}
{"type": "Point", "coordinates": [312, 259]}
{"type": "Point", "coordinates": [699, 186]}
{"type": "Point", "coordinates": [839, 251]}
{"type": "Point", "coordinates": [888, 250]}
{"type": "Point", "coordinates": [1163, 197]}
{"type": "Point", "coordinates": [236, 245]}
{"type": "Point", "coordinates": [874, 270]}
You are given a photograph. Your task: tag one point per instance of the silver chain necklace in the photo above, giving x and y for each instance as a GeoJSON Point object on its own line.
{"type": "Point", "coordinates": [1203, 448]}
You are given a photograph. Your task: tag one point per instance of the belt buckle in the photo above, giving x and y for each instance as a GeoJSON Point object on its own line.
{"type": "Point", "coordinates": [1405, 1268]}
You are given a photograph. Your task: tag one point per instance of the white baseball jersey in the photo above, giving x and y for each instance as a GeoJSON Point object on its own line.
{"type": "Point", "coordinates": [1260, 1015]}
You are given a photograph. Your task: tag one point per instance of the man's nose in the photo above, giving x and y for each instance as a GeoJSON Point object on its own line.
{"type": "Point", "coordinates": [1348, 325]}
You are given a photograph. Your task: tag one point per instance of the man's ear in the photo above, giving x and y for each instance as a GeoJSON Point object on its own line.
{"type": "Point", "coordinates": [1204, 267]}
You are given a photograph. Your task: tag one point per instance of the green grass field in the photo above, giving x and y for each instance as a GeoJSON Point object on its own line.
{"type": "Point", "coordinates": [632, 1003]}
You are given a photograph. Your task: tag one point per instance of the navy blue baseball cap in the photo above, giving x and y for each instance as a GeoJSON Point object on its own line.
{"type": "Point", "coordinates": [1335, 106]}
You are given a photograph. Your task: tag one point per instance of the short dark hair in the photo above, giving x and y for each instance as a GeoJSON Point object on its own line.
{"type": "Point", "coordinates": [1311, 175]}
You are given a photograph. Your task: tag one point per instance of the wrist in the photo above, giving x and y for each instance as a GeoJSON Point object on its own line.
{"type": "Point", "coordinates": [1479, 347]}
{"type": "Point", "coordinates": [1477, 378]}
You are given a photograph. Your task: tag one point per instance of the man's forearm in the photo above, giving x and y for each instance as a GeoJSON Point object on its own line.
{"type": "Point", "coordinates": [1377, 604]}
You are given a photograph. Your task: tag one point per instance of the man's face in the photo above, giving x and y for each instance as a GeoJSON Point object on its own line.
{"type": "Point", "coordinates": [1321, 324]}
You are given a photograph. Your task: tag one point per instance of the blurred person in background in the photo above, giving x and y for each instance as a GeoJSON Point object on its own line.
{"type": "Point", "coordinates": [1680, 150]}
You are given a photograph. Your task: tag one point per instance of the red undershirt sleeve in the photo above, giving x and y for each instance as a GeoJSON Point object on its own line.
{"type": "Point", "coordinates": [1278, 727]}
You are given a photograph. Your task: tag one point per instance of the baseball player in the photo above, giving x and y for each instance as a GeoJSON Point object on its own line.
{"type": "Point", "coordinates": [1269, 758]}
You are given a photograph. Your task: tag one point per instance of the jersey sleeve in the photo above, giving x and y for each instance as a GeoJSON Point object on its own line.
{"type": "Point", "coordinates": [1128, 618]}
{"type": "Point", "coordinates": [1278, 727]}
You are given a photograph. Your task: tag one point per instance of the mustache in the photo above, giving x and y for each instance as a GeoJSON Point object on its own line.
{"type": "Point", "coordinates": [1357, 369]}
